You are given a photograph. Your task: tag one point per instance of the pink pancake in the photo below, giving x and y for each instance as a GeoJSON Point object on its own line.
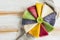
{"type": "Point", "coordinates": [32, 10]}
{"type": "Point", "coordinates": [43, 31]}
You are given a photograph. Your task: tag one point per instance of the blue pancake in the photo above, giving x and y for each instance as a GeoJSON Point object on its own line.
{"type": "Point", "coordinates": [26, 21]}
{"type": "Point", "coordinates": [50, 18]}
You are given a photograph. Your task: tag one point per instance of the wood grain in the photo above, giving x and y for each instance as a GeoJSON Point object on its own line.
{"type": "Point", "coordinates": [2, 13]}
{"type": "Point", "coordinates": [11, 13]}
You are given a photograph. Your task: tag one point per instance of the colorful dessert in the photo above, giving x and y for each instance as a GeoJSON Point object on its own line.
{"type": "Point", "coordinates": [38, 20]}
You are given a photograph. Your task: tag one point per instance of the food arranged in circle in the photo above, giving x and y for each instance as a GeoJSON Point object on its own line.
{"type": "Point", "coordinates": [38, 20]}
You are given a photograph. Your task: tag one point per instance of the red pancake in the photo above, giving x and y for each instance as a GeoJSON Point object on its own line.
{"type": "Point", "coordinates": [43, 31]}
{"type": "Point", "coordinates": [32, 10]}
